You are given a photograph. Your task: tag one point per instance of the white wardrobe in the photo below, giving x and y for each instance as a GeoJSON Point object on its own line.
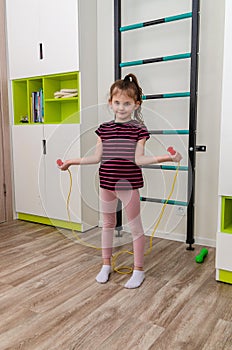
{"type": "Point", "coordinates": [49, 42]}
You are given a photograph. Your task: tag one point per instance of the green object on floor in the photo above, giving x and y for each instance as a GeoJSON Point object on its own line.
{"type": "Point", "coordinates": [201, 256]}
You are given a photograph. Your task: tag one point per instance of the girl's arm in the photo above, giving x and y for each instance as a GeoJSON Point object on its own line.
{"type": "Point", "coordinates": [94, 159]}
{"type": "Point", "coordinates": [141, 159]}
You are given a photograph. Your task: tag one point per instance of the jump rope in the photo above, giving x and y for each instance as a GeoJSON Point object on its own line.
{"type": "Point", "coordinates": [122, 269]}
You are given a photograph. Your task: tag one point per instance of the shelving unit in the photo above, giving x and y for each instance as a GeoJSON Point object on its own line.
{"type": "Point", "coordinates": [226, 215]}
{"type": "Point", "coordinates": [224, 235]}
{"type": "Point", "coordinates": [43, 58]}
{"type": "Point", "coordinates": [56, 110]}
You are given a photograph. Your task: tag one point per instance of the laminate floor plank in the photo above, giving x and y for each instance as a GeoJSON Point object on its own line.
{"type": "Point", "coordinates": [195, 322]}
{"type": "Point", "coordinates": [183, 282]}
{"type": "Point", "coordinates": [55, 288]}
{"type": "Point", "coordinates": [221, 337]}
{"type": "Point", "coordinates": [49, 299]}
{"type": "Point", "coordinates": [145, 335]}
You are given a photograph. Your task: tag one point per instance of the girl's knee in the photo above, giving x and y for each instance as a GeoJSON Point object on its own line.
{"type": "Point", "coordinates": [109, 225]}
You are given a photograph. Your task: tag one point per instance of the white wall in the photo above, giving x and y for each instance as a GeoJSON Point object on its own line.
{"type": "Point", "coordinates": [163, 40]}
{"type": "Point", "coordinates": [209, 116]}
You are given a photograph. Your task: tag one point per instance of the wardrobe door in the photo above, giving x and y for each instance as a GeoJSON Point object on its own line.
{"type": "Point", "coordinates": [58, 35]}
{"type": "Point", "coordinates": [28, 160]}
{"type": "Point", "coordinates": [62, 141]}
{"type": "Point", "coordinates": [23, 38]}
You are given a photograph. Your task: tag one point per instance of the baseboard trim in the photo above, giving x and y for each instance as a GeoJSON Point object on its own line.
{"type": "Point", "coordinates": [50, 221]}
{"type": "Point", "coordinates": [224, 276]}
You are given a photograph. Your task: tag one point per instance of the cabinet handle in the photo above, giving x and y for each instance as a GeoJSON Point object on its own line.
{"type": "Point", "coordinates": [44, 147]}
{"type": "Point", "coordinates": [41, 51]}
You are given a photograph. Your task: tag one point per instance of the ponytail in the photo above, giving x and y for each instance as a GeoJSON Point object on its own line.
{"type": "Point", "coordinates": [132, 80]}
{"type": "Point", "coordinates": [131, 86]}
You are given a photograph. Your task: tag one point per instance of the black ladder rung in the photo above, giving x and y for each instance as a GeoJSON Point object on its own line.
{"type": "Point", "coordinates": [169, 132]}
{"type": "Point", "coordinates": [164, 201]}
{"type": "Point", "coordinates": [156, 21]}
{"type": "Point", "coordinates": [167, 95]}
{"type": "Point", "coordinates": [180, 56]}
{"type": "Point", "coordinates": [165, 167]}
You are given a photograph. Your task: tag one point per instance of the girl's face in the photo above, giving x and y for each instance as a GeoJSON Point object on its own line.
{"type": "Point", "coordinates": [123, 106]}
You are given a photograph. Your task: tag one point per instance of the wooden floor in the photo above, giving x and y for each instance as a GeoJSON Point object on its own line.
{"type": "Point", "coordinates": [49, 299]}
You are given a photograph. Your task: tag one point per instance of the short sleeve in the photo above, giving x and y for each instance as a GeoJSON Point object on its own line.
{"type": "Point", "coordinates": [143, 133]}
{"type": "Point", "coordinates": [99, 131]}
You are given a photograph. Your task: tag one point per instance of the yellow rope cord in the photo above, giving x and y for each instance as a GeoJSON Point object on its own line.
{"type": "Point", "coordinates": [127, 269]}
{"type": "Point", "coordinates": [122, 269]}
{"type": "Point", "coordinates": [69, 216]}
{"type": "Point", "coordinates": [162, 210]}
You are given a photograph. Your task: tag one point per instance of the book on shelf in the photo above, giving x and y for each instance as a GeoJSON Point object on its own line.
{"type": "Point", "coordinates": [37, 106]}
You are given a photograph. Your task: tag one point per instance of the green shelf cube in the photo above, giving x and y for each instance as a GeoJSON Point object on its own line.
{"type": "Point", "coordinates": [226, 215]}
{"type": "Point", "coordinates": [56, 110]}
{"type": "Point", "coordinates": [20, 99]}
{"type": "Point", "coordinates": [57, 82]}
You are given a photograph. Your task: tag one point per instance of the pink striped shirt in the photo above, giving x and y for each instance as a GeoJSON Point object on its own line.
{"type": "Point", "coordinates": [118, 170]}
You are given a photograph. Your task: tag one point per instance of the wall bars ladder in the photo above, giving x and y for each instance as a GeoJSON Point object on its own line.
{"type": "Point", "coordinates": [191, 95]}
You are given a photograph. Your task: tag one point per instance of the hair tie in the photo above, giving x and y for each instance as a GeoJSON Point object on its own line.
{"type": "Point", "coordinates": [128, 77]}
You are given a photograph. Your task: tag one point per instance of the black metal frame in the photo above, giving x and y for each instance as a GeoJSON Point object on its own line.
{"type": "Point", "coordinates": [192, 147]}
{"type": "Point", "coordinates": [192, 124]}
{"type": "Point", "coordinates": [117, 39]}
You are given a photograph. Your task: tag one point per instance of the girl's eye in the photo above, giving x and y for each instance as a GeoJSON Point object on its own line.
{"type": "Point", "coordinates": [127, 104]}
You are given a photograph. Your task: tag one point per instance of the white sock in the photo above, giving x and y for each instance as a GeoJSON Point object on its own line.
{"type": "Point", "coordinates": [104, 274]}
{"type": "Point", "coordinates": [136, 279]}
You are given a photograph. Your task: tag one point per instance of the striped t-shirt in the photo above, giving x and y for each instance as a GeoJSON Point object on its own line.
{"type": "Point", "coordinates": [118, 170]}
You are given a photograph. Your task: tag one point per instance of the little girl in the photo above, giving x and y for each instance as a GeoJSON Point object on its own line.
{"type": "Point", "coordinates": [120, 149]}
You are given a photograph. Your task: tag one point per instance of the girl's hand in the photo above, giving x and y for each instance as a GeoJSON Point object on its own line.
{"type": "Point", "coordinates": [64, 166]}
{"type": "Point", "coordinates": [176, 157]}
